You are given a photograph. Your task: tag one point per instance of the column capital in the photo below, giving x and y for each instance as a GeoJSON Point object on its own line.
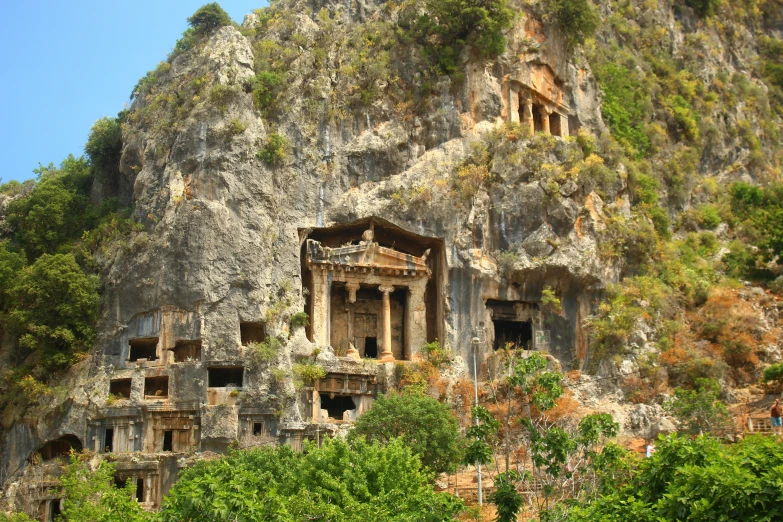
{"type": "Point", "coordinates": [352, 288]}
{"type": "Point", "coordinates": [386, 289]}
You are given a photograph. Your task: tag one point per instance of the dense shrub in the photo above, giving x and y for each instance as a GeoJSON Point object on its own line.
{"type": "Point", "coordinates": [479, 24]}
{"type": "Point", "coordinates": [275, 149]}
{"type": "Point", "coordinates": [104, 145]}
{"type": "Point", "coordinates": [625, 106]}
{"type": "Point", "coordinates": [696, 479]}
{"type": "Point", "coordinates": [427, 426]}
{"type": "Point", "coordinates": [53, 309]}
{"type": "Point", "coordinates": [774, 374]}
{"type": "Point", "coordinates": [578, 19]}
{"type": "Point", "coordinates": [352, 483]}
{"type": "Point", "coordinates": [266, 86]}
{"type": "Point", "coordinates": [703, 8]}
{"type": "Point", "coordinates": [208, 18]}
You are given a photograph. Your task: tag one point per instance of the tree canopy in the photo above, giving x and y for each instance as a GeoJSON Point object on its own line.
{"type": "Point", "coordinates": [427, 426]}
{"type": "Point", "coordinates": [359, 482]}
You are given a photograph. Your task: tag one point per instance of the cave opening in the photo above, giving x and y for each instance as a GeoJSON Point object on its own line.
{"type": "Point", "coordinates": [252, 333]}
{"type": "Point", "coordinates": [224, 377]}
{"type": "Point", "coordinates": [517, 333]}
{"type": "Point", "coordinates": [336, 405]}
{"type": "Point", "coordinates": [120, 388]}
{"type": "Point", "coordinates": [187, 351]}
{"type": "Point", "coordinates": [143, 349]}
{"type": "Point", "coordinates": [157, 387]}
{"type": "Point", "coordinates": [60, 447]}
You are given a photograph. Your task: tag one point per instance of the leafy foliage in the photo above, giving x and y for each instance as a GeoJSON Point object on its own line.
{"type": "Point", "coordinates": [696, 479]}
{"type": "Point", "coordinates": [456, 23]}
{"type": "Point", "coordinates": [761, 212]}
{"type": "Point", "coordinates": [209, 17]}
{"type": "Point", "coordinates": [699, 411]}
{"type": "Point", "coordinates": [774, 373]}
{"type": "Point", "coordinates": [104, 145]}
{"type": "Point", "coordinates": [578, 19]}
{"type": "Point", "coordinates": [54, 309]}
{"type": "Point", "coordinates": [275, 149]}
{"type": "Point", "coordinates": [338, 481]}
{"type": "Point", "coordinates": [91, 496]}
{"type": "Point", "coordinates": [428, 427]}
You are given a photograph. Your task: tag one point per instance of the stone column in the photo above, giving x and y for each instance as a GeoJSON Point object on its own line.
{"type": "Point", "coordinates": [529, 116]}
{"type": "Point", "coordinates": [545, 122]}
{"type": "Point", "coordinates": [564, 131]}
{"type": "Point", "coordinates": [386, 353]}
{"type": "Point", "coordinates": [321, 296]}
{"type": "Point", "coordinates": [352, 352]}
{"type": "Point", "coordinates": [415, 319]}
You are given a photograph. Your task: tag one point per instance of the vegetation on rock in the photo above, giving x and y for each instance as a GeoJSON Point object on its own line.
{"type": "Point", "coordinates": [425, 425]}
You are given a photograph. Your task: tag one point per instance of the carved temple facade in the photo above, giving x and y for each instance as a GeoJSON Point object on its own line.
{"type": "Point", "coordinates": [368, 300]}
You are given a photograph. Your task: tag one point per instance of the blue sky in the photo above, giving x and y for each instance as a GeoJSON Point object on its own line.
{"type": "Point", "coordinates": [66, 63]}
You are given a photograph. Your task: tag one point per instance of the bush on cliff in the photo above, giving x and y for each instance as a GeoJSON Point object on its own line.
{"type": "Point", "coordinates": [352, 483]}
{"type": "Point", "coordinates": [427, 426]}
{"type": "Point", "coordinates": [208, 18]}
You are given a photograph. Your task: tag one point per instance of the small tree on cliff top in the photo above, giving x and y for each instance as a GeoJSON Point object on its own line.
{"type": "Point", "coordinates": [208, 18]}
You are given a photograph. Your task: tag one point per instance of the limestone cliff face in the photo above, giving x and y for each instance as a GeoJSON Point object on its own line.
{"type": "Point", "coordinates": [224, 230]}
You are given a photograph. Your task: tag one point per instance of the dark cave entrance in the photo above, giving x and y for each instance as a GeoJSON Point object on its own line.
{"type": "Point", "coordinates": [519, 333]}
{"type": "Point", "coordinates": [336, 405]}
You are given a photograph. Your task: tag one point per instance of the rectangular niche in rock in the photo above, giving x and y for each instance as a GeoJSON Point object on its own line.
{"type": "Point", "coordinates": [252, 333]}
{"type": "Point", "coordinates": [512, 322]}
{"type": "Point", "coordinates": [187, 351]}
{"type": "Point", "coordinates": [156, 387]}
{"type": "Point", "coordinates": [518, 333]}
{"type": "Point", "coordinates": [224, 377]}
{"type": "Point", "coordinates": [120, 388]}
{"type": "Point", "coordinates": [336, 405]}
{"type": "Point", "coordinates": [143, 349]}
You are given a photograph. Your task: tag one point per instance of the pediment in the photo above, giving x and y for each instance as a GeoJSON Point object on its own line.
{"type": "Point", "coordinates": [366, 255]}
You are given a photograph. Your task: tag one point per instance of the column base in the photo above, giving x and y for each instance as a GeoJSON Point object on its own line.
{"type": "Point", "coordinates": [387, 357]}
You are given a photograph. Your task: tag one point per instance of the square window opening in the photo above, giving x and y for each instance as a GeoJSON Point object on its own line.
{"type": "Point", "coordinates": [258, 428]}
{"type": "Point", "coordinates": [371, 347]}
{"type": "Point", "coordinates": [225, 377]}
{"type": "Point", "coordinates": [120, 388]}
{"type": "Point", "coordinates": [519, 333]}
{"type": "Point", "coordinates": [336, 405]}
{"type": "Point", "coordinates": [187, 351]}
{"type": "Point", "coordinates": [143, 349]}
{"type": "Point", "coordinates": [157, 387]}
{"type": "Point", "coordinates": [252, 333]}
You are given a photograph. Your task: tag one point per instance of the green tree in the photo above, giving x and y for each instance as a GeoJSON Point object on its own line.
{"type": "Point", "coordinates": [696, 479]}
{"type": "Point", "coordinates": [338, 481]}
{"type": "Point", "coordinates": [563, 462]}
{"type": "Point", "coordinates": [104, 145]}
{"type": "Point", "coordinates": [54, 307]}
{"type": "Point", "coordinates": [699, 410]}
{"type": "Point", "coordinates": [427, 426]}
{"type": "Point", "coordinates": [89, 495]}
{"type": "Point", "coordinates": [56, 211]}
{"type": "Point", "coordinates": [479, 24]}
{"type": "Point", "coordinates": [578, 19]}
{"type": "Point", "coordinates": [11, 263]}
{"type": "Point", "coordinates": [209, 17]}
